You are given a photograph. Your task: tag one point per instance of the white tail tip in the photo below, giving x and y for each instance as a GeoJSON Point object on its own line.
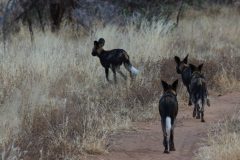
{"type": "Point", "coordinates": [168, 130]}
{"type": "Point", "coordinates": [134, 71]}
{"type": "Point", "coordinates": [168, 123]}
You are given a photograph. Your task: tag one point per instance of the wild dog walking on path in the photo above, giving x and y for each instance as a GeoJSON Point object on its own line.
{"type": "Point", "coordinates": [185, 71]}
{"type": "Point", "coordinates": [198, 91]}
{"type": "Point", "coordinates": [113, 59]}
{"type": "Point", "coordinates": [168, 109]}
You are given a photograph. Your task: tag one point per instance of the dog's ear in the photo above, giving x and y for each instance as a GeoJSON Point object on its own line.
{"type": "Point", "coordinates": [185, 60]}
{"type": "Point", "coordinates": [174, 85]}
{"type": "Point", "coordinates": [165, 85]}
{"type": "Point", "coordinates": [95, 43]}
{"type": "Point", "coordinates": [177, 59]}
{"type": "Point", "coordinates": [101, 42]}
{"type": "Point", "coordinates": [200, 67]}
{"type": "Point", "coordinates": [193, 67]}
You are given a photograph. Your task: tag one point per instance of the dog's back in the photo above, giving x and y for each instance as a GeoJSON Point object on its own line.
{"type": "Point", "coordinates": [114, 57]}
{"type": "Point", "coordinates": [168, 105]}
{"type": "Point", "coordinates": [198, 88]}
{"type": "Point", "coordinates": [186, 76]}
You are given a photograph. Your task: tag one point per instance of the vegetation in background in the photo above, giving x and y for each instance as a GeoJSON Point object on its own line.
{"type": "Point", "coordinates": [56, 103]}
{"type": "Point", "coordinates": [223, 141]}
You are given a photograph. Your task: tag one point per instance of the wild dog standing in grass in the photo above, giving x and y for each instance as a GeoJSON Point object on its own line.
{"type": "Point", "coordinates": [185, 71]}
{"type": "Point", "coordinates": [168, 109]}
{"type": "Point", "coordinates": [198, 91]}
{"type": "Point", "coordinates": [113, 59]}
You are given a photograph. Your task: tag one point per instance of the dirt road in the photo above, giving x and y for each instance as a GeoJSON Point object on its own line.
{"type": "Point", "coordinates": [145, 143]}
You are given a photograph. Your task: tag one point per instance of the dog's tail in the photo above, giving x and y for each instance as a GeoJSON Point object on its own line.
{"type": "Point", "coordinates": [168, 129]}
{"type": "Point", "coordinates": [127, 64]}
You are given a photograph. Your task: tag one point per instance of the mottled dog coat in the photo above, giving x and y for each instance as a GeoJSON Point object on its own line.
{"type": "Point", "coordinates": [168, 109]}
{"type": "Point", "coordinates": [184, 69]}
{"type": "Point", "coordinates": [198, 91]}
{"type": "Point", "coordinates": [113, 59]}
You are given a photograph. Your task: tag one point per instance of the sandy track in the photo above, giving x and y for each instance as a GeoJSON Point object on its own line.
{"type": "Point", "coordinates": [145, 143]}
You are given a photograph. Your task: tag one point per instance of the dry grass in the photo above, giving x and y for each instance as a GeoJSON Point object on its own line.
{"type": "Point", "coordinates": [56, 103]}
{"type": "Point", "coordinates": [223, 141]}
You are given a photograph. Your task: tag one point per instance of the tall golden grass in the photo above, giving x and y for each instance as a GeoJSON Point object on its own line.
{"type": "Point", "coordinates": [223, 141]}
{"type": "Point", "coordinates": [56, 103]}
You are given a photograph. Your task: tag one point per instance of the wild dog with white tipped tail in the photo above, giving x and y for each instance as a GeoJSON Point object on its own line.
{"type": "Point", "coordinates": [168, 109]}
{"type": "Point", "coordinates": [113, 59]}
{"type": "Point", "coordinates": [198, 91]}
{"type": "Point", "coordinates": [184, 69]}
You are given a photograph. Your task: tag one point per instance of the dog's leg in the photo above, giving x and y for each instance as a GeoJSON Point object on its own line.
{"type": "Point", "coordinates": [165, 143]}
{"type": "Point", "coordinates": [194, 111]}
{"type": "Point", "coordinates": [164, 136]}
{"type": "Point", "coordinates": [106, 73]}
{"type": "Point", "coordinates": [114, 74]}
{"type": "Point", "coordinates": [121, 73]}
{"type": "Point", "coordinates": [131, 75]}
{"type": "Point", "coordinates": [206, 95]}
{"type": "Point", "coordinates": [189, 100]}
{"type": "Point", "coordinates": [198, 112]}
{"type": "Point", "coordinates": [208, 102]}
{"type": "Point", "coordinates": [202, 116]}
{"type": "Point", "coordinates": [172, 147]}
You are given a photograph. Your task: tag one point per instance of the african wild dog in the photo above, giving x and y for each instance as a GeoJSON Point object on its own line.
{"type": "Point", "coordinates": [168, 109]}
{"type": "Point", "coordinates": [113, 59]}
{"type": "Point", "coordinates": [198, 91]}
{"type": "Point", "coordinates": [185, 71]}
